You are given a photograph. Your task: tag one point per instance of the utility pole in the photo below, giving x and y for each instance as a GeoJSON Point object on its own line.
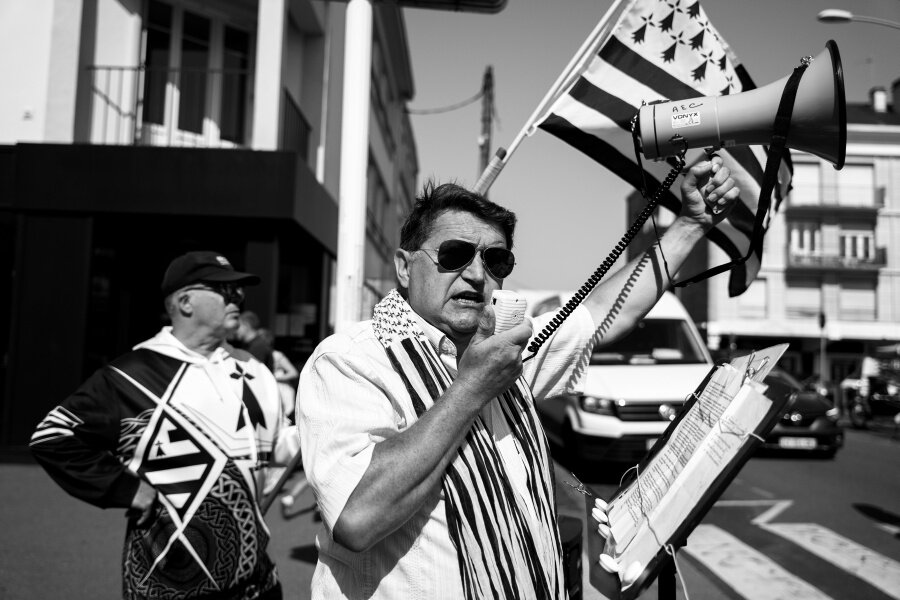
{"type": "Point", "coordinates": [487, 113]}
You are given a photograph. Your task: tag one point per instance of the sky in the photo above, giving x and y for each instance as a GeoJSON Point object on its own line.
{"type": "Point", "coordinates": [572, 210]}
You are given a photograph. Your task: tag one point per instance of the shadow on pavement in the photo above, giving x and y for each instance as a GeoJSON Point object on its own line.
{"type": "Point", "coordinates": [876, 513]}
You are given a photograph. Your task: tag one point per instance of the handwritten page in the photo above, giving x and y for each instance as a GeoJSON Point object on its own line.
{"type": "Point", "coordinates": [628, 510]}
{"type": "Point", "coordinates": [741, 418]}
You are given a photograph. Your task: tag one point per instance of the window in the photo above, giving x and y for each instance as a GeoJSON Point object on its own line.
{"type": "Point", "coordinates": [805, 238]}
{"type": "Point", "coordinates": [652, 341]}
{"type": "Point", "coordinates": [381, 98]}
{"type": "Point", "coordinates": [159, 36]}
{"type": "Point", "coordinates": [858, 245]}
{"type": "Point", "coordinates": [236, 65]}
{"type": "Point", "coordinates": [856, 185]}
{"type": "Point", "coordinates": [803, 298]}
{"type": "Point", "coordinates": [806, 185]}
{"type": "Point", "coordinates": [377, 205]}
{"type": "Point", "coordinates": [196, 73]}
{"type": "Point", "coordinates": [857, 300]}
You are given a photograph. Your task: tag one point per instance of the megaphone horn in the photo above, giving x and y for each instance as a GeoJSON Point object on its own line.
{"type": "Point", "coordinates": [818, 123]}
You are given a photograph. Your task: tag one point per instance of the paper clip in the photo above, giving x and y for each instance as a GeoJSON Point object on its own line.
{"type": "Point", "coordinates": [580, 487]}
{"type": "Point", "coordinates": [749, 371]}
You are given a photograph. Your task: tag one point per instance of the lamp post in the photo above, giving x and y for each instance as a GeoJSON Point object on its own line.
{"type": "Point", "coordinates": [836, 15]}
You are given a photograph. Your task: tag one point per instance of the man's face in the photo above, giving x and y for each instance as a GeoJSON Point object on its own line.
{"type": "Point", "coordinates": [452, 301]}
{"type": "Point", "coordinates": [213, 312]}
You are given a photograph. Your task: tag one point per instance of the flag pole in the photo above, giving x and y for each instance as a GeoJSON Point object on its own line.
{"type": "Point", "coordinates": [591, 43]}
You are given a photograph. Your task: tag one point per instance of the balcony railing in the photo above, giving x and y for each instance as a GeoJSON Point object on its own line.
{"type": "Point", "coordinates": [843, 197]}
{"type": "Point", "coordinates": [170, 107]}
{"type": "Point", "coordinates": [834, 261]}
{"type": "Point", "coordinates": [295, 128]}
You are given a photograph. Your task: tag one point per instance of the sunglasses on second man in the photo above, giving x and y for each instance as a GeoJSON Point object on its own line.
{"type": "Point", "coordinates": [231, 293]}
{"type": "Point", "coordinates": [456, 255]}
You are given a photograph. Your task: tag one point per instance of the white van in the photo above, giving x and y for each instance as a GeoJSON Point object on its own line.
{"type": "Point", "coordinates": [633, 387]}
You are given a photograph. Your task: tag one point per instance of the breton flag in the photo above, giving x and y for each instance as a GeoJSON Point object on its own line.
{"type": "Point", "coordinates": [663, 50]}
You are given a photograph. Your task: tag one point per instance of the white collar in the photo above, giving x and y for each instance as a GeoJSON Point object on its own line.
{"type": "Point", "coordinates": [437, 338]}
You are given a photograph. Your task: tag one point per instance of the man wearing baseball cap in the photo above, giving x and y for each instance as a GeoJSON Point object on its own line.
{"type": "Point", "coordinates": [179, 431]}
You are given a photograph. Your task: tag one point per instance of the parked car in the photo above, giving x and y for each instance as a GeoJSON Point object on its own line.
{"type": "Point", "coordinates": [633, 388]}
{"type": "Point", "coordinates": [810, 421]}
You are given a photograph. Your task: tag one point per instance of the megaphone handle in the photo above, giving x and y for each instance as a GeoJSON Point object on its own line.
{"type": "Point", "coordinates": [713, 207]}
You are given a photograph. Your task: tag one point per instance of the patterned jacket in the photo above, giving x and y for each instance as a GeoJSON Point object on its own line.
{"type": "Point", "coordinates": [200, 431]}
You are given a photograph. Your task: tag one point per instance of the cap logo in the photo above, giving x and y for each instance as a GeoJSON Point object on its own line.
{"type": "Point", "coordinates": [223, 261]}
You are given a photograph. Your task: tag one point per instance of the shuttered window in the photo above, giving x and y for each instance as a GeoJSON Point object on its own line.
{"type": "Point", "coordinates": [752, 303]}
{"type": "Point", "coordinates": [804, 298]}
{"type": "Point", "coordinates": [806, 185]}
{"type": "Point", "coordinates": [857, 300]}
{"type": "Point", "coordinates": [856, 185]}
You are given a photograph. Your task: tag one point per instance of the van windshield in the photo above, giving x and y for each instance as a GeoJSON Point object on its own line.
{"type": "Point", "coordinates": [652, 342]}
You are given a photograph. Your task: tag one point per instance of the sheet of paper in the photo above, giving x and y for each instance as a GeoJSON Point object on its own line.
{"type": "Point", "coordinates": [741, 418]}
{"type": "Point", "coordinates": [627, 511]}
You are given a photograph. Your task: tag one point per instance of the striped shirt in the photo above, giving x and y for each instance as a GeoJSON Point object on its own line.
{"type": "Point", "coordinates": [350, 398]}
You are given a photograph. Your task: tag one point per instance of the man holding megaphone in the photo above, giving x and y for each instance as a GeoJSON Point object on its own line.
{"type": "Point", "coordinates": [418, 430]}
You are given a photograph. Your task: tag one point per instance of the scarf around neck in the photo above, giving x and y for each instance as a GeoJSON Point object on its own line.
{"type": "Point", "coordinates": [507, 541]}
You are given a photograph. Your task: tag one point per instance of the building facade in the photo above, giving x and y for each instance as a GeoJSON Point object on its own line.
{"type": "Point", "coordinates": [829, 284]}
{"type": "Point", "coordinates": [132, 131]}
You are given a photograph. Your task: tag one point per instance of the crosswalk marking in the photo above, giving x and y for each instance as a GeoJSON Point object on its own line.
{"type": "Point", "coordinates": [876, 569]}
{"type": "Point", "coordinates": [749, 572]}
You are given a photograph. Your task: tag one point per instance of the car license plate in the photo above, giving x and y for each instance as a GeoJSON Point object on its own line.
{"type": "Point", "coordinates": [797, 443]}
{"type": "Point", "coordinates": [650, 443]}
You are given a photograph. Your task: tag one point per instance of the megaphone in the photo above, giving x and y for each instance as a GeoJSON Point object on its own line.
{"type": "Point", "coordinates": [818, 124]}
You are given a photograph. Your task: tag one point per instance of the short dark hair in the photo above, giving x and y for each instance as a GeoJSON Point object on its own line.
{"type": "Point", "coordinates": [436, 200]}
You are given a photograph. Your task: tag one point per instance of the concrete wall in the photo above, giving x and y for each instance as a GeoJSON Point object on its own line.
{"type": "Point", "coordinates": [26, 30]}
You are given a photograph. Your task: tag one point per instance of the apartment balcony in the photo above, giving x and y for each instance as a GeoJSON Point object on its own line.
{"type": "Point", "coordinates": [843, 201]}
{"type": "Point", "coordinates": [183, 107]}
{"type": "Point", "coordinates": [832, 262]}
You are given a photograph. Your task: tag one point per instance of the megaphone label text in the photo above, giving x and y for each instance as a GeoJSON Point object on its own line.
{"type": "Point", "coordinates": [685, 120]}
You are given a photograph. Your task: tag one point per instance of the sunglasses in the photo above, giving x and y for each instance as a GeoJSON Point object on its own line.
{"type": "Point", "coordinates": [456, 255]}
{"type": "Point", "coordinates": [231, 293]}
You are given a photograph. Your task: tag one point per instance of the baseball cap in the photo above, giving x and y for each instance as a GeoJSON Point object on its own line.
{"type": "Point", "coordinates": [202, 267]}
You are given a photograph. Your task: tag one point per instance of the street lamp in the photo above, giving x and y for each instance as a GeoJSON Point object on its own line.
{"type": "Point", "coordinates": [836, 15]}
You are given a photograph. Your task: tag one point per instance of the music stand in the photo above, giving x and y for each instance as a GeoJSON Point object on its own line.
{"type": "Point", "coordinates": [662, 566]}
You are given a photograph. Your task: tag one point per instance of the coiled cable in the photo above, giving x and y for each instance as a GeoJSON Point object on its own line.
{"type": "Point", "coordinates": [611, 258]}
